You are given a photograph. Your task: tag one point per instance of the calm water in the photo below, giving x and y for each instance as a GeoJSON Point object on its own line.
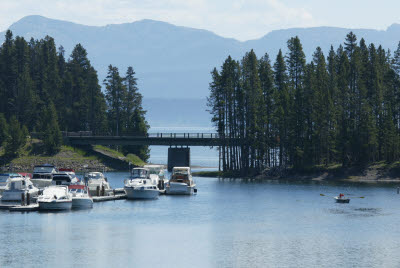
{"type": "Point", "coordinates": [227, 224]}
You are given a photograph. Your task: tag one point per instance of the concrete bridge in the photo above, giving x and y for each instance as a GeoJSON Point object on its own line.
{"type": "Point", "coordinates": [177, 156]}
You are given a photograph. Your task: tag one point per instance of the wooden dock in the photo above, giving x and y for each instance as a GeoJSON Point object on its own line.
{"type": "Point", "coordinates": [7, 206]}
{"type": "Point", "coordinates": [108, 198]}
{"type": "Point", "coordinates": [33, 207]}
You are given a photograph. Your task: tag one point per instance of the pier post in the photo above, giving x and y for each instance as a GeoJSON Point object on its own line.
{"type": "Point", "coordinates": [178, 157]}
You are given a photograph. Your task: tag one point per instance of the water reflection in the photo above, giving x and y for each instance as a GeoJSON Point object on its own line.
{"type": "Point", "coordinates": [229, 223]}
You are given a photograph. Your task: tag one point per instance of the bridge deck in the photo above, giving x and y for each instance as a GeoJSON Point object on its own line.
{"type": "Point", "coordinates": [165, 139]}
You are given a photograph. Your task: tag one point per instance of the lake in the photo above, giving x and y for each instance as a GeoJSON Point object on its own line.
{"type": "Point", "coordinates": [229, 223]}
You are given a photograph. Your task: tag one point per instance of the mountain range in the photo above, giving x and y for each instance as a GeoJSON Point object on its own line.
{"type": "Point", "coordinates": [174, 61]}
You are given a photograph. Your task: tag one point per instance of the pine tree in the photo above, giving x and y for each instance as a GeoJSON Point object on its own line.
{"type": "Point", "coordinates": [52, 134]}
{"type": "Point", "coordinates": [4, 132]}
{"type": "Point", "coordinates": [16, 138]}
{"type": "Point", "coordinates": [115, 92]}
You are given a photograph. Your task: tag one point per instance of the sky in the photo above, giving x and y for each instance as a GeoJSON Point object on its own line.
{"type": "Point", "coordinates": [239, 19]}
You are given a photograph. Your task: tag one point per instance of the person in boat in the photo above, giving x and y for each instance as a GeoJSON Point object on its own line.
{"type": "Point", "coordinates": [341, 196]}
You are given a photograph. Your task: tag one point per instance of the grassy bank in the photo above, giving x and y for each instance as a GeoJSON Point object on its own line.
{"type": "Point", "coordinates": [79, 159]}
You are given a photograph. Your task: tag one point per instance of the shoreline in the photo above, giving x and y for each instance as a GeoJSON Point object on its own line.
{"type": "Point", "coordinates": [376, 173]}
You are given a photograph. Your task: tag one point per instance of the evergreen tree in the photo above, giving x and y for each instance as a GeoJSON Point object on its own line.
{"type": "Point", "coordinates": [52, 134]}
{"type": "Point", "coordinates": [16, 138]}
{"type": "Point", "coordinates": [4, 132]}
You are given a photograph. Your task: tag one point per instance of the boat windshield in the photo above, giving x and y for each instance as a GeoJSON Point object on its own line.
{"type": "Point", "coordinates": [181, 172]}
{"type": "Point", "coordinates": [42, 176]}
{"type": "Point", "coordinates": [95, 176]}
{"type": "Point", "coordinates": [139, 172]}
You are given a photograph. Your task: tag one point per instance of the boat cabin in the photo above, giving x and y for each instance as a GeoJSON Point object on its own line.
{"type": "Point", "coordinates": [141, 173]}
{"type": "Point", "coordinates": [156, 169]}
{"type": "Point", "coordinates": [46, 168]}
{"type": "Point", "coordinates": [5, 176]}
{"type": "Point", "coordinates": [19, 183]}
{"type": "Point", "coordinates": [181, 174]}
{"type": "Point", "coordinates": [62, 179]}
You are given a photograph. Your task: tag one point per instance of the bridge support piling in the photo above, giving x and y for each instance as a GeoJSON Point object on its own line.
{"type": "Point", "coordinates": [178, 157]}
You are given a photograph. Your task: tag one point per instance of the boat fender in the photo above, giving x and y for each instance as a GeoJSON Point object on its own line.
{"type": "Point", "coordinates": [195, 190]}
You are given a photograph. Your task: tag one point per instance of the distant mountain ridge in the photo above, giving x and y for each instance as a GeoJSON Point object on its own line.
{"type": "Point", "coordinates": [174, 61]}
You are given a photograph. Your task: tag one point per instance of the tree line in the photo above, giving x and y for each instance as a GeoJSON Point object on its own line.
{"type": "Point", "coordinates": [41, 91]}
{"type": "Point", "coordinates": [343, 108]}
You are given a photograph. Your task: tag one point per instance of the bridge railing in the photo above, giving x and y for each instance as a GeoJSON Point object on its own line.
{"type": "Point", "coordinates": [149, 135]}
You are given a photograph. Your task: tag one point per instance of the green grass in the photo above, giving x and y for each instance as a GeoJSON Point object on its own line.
{"type": "Point", "coordinates": [134, 159]}
{"type": "Point", "coordinates": [109, 151]}
{"type": "Point", "coordinates": [33, 153]}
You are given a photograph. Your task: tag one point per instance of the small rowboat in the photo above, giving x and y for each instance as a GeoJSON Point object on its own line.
{"type": "Point", "coordinates": [341, 200]}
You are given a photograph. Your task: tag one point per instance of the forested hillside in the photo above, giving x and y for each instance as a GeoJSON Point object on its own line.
{"type": "Point", "coordinates": [42, 91]}
{"type": "Point", "coordinates": [343, 107]}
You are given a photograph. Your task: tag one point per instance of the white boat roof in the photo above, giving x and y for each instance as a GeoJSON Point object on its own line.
{"type": "Point", "coordinates": [181, 168]}
{"type": "Point", "coordinates": [14, 179]}
{"type": "Point", "coordinates": [153, 166]}
{"type": "Point", "coordinates": [140, 168]}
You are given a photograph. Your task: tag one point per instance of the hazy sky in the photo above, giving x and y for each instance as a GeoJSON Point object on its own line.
{"type": "Point", "coordinates": [240, 19]}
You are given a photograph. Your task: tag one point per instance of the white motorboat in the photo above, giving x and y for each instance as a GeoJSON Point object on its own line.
{"type": "Point", "coordinates": [96, 180]}
{"type": "Point", "coordinates": [157, 175]}
{"type": "Point", "coordinates": [55, 198]}
{"type": "Point", "coordinates": [16, 186]}
{"type": "Point", "coordinates": [64, 178]}
{"type": "Point", "coordinates": [4, 178]}
{"type": "Point", "coordinates": [43, 175]}
{"type": "Point", "coordinates": [140, 186]}
{"type": "Point", "coordinates": [181, 182]}
{"type": "Point", "coordinates": [80, 197]}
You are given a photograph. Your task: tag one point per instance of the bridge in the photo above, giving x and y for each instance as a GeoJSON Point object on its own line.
{"type": "Point", "coordinates": [176, 156]}
{"type": "Point", "coordinates": [160, 139]}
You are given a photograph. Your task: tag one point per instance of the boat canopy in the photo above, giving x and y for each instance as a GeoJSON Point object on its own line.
{"type": "Point", "coordinates": [77, 186]}
{"type": "Point", "coordinates": [155, 169]}
{"type": "Point", "coordinates": [66, 170]}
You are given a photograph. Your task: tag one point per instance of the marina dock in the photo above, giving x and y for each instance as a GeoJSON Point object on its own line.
{"type": "Point", "coordinates": [109, 198]}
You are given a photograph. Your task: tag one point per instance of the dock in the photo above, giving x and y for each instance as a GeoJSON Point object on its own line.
{"type": "Point", "coordinates": [33, 207]}
{"type": "Point", "coordinates": [109, 198]}
{"type": "Point", "coordinates": [7, 206]}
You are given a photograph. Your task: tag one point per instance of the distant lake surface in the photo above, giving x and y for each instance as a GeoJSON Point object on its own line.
{"type": "Point", "coordinates": [229, 223]}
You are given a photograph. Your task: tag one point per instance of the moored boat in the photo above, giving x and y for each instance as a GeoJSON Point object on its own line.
{"type": "Point", "coordinates": [43, 175]}
{"type": "Point", "coordinates": [4, 178]}
{"type": "Point", "coordinates": [55, 198]}
{"type": "Point", "coordinates": [64, 178]}
{"type": "Point", "coordinates": [140, 186]}
{"type": "Point", "coordinates": [80, 197]}
{"type": "Point", "coordinates": [181, 182]}
{"type": "Point", "coordinates": [157, 175]}
{"type": "Point", "coordinates": [97, 181]}
{"type": "Point", "coordinates": [18, 186]}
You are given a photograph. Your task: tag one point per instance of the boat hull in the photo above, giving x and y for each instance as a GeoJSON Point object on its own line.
{"type": "Point", "coordinates": [132, 193]}
{"type": "Point", "coordinates": [81, 202]}
{"type": "Point", "coordinates": [15, 195]}
{"type": "Point", "coordinates": [342, 200]}
{"type": "Point", "coordinates": [179, 189]}
{"type": "Point", "coordinates": [53, 205]}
